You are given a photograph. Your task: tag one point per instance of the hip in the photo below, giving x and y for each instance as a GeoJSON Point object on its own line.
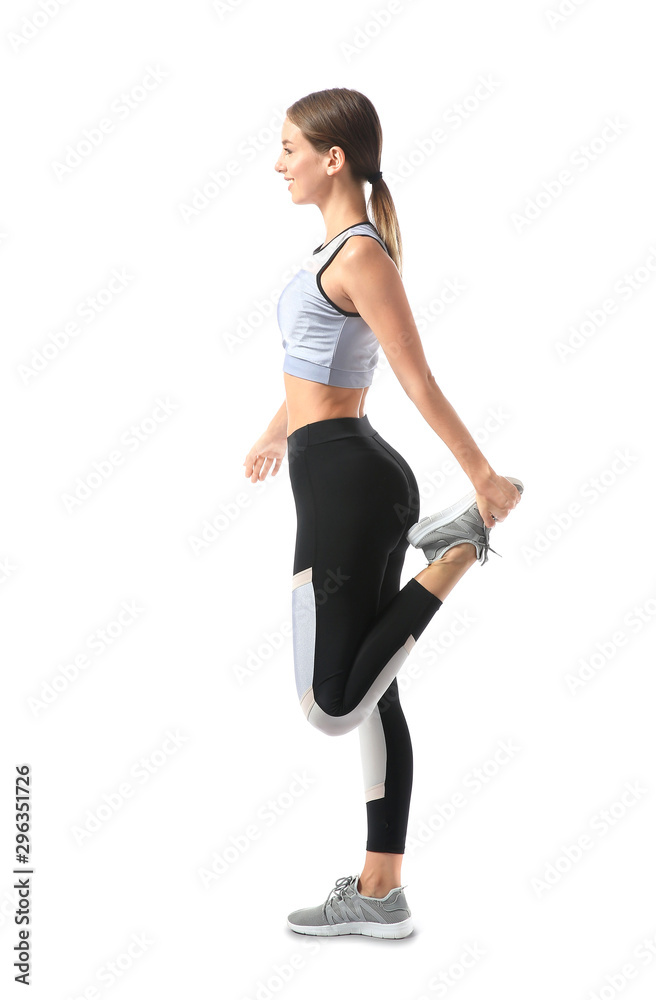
{"type": "Point", "coordinates": [347, 456]}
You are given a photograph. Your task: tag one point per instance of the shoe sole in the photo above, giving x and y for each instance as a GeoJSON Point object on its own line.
{"type": "Point", "coordinates": [366, 927]}
{"type": "Point", "coordinates": [427, 524]}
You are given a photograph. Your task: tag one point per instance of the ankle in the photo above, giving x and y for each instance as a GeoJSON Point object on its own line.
{"type": "Point", "coordinates": [376, 887]}
{"type": "Point", "coordinates": [463, 552]}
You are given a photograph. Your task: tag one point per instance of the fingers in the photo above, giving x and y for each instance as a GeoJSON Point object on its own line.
{"type": "Point", "coordinates": [501, 513]}
{"type": "Point", "coordinates": [510, 502]}
{"type": "Point", "coordinates": [252, 464]}
{"type": "Point", "coordinates": [495, 511]}
{"type": "Point", "coordinates": [258, 466]}
{"type": "Point", "coordinates": [261, 467]}
{"type": "Point", "coordinates": [485, 512]}
{"type": "Point", "coordinates": [249, 463]}
{"type": "Point", "coordinates": [514, 492]}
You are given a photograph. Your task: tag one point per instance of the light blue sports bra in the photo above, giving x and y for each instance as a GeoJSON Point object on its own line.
{"type": "Point", "coordinates": [322, 342]}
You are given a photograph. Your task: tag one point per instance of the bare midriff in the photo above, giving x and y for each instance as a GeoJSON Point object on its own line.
{"type": "Point", "coordinates": [309, 401]}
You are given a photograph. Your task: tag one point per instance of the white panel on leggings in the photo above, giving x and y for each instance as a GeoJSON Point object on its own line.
{"type": "Point", "coordinates": [373, 751]}
{"type": "Point", "coordinates": [304, 623]}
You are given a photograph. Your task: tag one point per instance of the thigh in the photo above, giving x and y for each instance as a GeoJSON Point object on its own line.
{"type": "Point", "coordinates": [346, 492]}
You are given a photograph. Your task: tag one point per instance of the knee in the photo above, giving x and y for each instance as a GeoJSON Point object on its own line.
{"type": "Point", "coordinates": [325, 722]}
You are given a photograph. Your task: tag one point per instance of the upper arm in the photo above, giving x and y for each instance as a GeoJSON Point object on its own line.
{"type": "Point", "coordinates": [370, 278]}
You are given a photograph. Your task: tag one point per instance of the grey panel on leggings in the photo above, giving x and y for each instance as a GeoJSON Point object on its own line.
{"type": "Point", "coordinates": [336, 725]}
{"type": "Point", "coordinates": [304, 624]}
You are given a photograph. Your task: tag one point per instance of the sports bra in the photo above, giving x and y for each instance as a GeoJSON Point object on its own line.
{"type": "Point", "coordinates": [322, 342]}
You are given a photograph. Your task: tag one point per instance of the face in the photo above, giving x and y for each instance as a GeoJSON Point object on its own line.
{"type": "Point", "coordinates": [302, 166]}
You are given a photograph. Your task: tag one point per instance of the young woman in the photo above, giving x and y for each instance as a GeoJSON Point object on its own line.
{"type": "Point", "coordinates": [356, 498]}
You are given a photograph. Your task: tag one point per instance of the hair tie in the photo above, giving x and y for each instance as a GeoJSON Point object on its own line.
{"type": "Point", "coordinates": [375, 177]}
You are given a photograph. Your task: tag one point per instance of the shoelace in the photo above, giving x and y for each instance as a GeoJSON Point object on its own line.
{"type": "Point", "coordinates": [488, 548]}
{"type": "Point", "coordinates": [340, 888]}
{"type": "Point", "coordinates": [485, 545]}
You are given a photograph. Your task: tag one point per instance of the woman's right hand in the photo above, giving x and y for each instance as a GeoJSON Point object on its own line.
{"type": "Point", "coordinates": [495, 497]}
{"type": "Point", "coordinates": [269, 450]}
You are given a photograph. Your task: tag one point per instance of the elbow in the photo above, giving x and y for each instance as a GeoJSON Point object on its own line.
{"type": "Point", "coordinates": [420, 385]}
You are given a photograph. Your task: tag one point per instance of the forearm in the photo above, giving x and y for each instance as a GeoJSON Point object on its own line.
{"type": "Point", "coordinates": [441, 416]}
{"type": "Point", "coordinates": [278, 424]}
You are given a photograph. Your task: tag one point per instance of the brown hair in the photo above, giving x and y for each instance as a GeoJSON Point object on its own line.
{"type": "Point", "coordinates": [346, 118]}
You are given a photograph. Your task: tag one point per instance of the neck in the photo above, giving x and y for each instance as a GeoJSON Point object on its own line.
{"type": "Point", "coordinates": [341, 209]}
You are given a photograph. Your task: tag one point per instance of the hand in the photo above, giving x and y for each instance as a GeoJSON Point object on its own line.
{"type": "Point", "coordinates": [269, 450]}
{"type": "Point", "coordinates": [495, 497]}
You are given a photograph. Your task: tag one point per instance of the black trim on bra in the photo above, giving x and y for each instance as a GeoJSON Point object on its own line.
{"type": "Point", "coordinates": [343, 312]}
{"type": "Point", "coordinates": [366, 222]}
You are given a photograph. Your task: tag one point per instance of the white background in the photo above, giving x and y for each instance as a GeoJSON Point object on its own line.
{"type": "Point", "coordinates": [194, 325]}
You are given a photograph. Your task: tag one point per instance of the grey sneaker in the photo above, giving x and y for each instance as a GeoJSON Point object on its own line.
{"type": "Point", "coordinates": [461, 522]}
{"type": "Point", "coordinates": [345, 911]}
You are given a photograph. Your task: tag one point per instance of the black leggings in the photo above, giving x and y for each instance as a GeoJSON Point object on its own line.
{"type": "Point", "coordinates": [352, 625]}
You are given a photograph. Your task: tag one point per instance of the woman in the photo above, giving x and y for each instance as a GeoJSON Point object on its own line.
{"type": "Point", "coordinates": [356, 497]}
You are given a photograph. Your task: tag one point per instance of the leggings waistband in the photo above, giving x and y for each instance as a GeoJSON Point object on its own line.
{"type": "Point", "coordinates": [330, 430]}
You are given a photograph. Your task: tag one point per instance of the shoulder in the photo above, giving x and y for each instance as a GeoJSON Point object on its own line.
{"type": "Point", "coordinates": [363, 257]}
{"type": "Point", "coordinates": [362, 250]}
{"type": "Point", "coordinates": [364, 243]}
